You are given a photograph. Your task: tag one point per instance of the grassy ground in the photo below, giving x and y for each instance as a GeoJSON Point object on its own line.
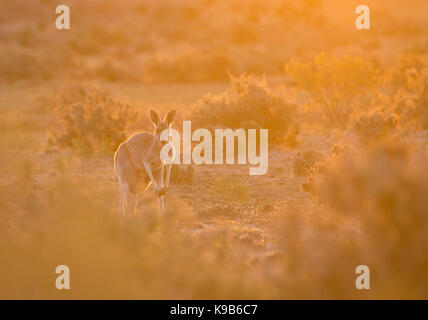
{"type": "Point", "coordinates": [219, 194]}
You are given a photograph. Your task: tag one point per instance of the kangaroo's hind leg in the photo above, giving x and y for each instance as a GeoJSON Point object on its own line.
{"type": "Point", "coordinates": [128, 180]}
{"type": "Point", "coordinates": [121, 198]}
{"type": "Point", "coordinates": [158, 176]}
{"type": "Point", "coordinates": [130, 202]}
{"type": "Point", "coordinates": [127, 199]}
{"type": "Point", "coordinates": [131, 190]}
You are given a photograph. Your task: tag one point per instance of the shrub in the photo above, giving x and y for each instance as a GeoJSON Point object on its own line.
{"type": "Point", "coordinates": [405, 62]}
{"type": "Point", "coordinates": [247, 103]}
{"type": "Point", "coordinates": [375, 125]}
{"type": "Point", "coordinates": [410, 98]}
{"type": "Point", "coordinates": [305, 162]}
{"type": "Point", "coordinates": [91, 121]}
{"type": "Point", "coordinates": [68, 96]}
{"type": "Point", "coordinates": [383, 190]}
{"type": "Point", "coordinates": [339, 87]}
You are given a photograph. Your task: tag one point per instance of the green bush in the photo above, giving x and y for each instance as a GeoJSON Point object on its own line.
{"type": "Point", "coordinates": [247, 103]}
{"type": "Point", "coordinates": [91, 121]}
{"type": "Point", "coordinates": [338, 86]}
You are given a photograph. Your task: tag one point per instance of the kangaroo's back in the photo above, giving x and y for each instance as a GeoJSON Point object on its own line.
{"type": "Point", "coordinates": [138, 146]}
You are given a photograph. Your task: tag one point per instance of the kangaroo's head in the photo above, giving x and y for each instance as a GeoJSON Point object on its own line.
{"type": "Point", "coordinates": [161, 125]}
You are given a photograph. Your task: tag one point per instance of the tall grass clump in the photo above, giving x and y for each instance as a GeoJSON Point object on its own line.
{"type": "Point", "coordinates": [338, 86]}
{"type": "Point", "coordinates": [90, 121]}
{"type": "Point", "coordinates": [248, 103]}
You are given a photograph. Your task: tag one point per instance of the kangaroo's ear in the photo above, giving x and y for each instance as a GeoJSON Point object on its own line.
{"type": "Point", "coordinates": [155, 117]}
{"type": "Point", "coordinates": [170, 116]}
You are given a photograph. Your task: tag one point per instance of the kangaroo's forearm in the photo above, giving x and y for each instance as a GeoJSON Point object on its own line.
{"type": "Point", "coordinates": [149, 172]}
{"type": "Point", "coordinates": [168, 173]}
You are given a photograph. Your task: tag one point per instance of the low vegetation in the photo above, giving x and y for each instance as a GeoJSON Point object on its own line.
{"type": "Point", "coordinates": [91, 121]}
{"type": "Point", "coordinates": [376, 125]}
{"type": "Point", "coordinates": [339, 87]}
{"type": "Point", "coordinates": [347, 177]}
{"type": "Point", "coordinates": [248, 103]}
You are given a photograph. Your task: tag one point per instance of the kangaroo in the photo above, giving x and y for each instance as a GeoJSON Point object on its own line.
{"type": "Point", "coordinates": [137, 161]}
